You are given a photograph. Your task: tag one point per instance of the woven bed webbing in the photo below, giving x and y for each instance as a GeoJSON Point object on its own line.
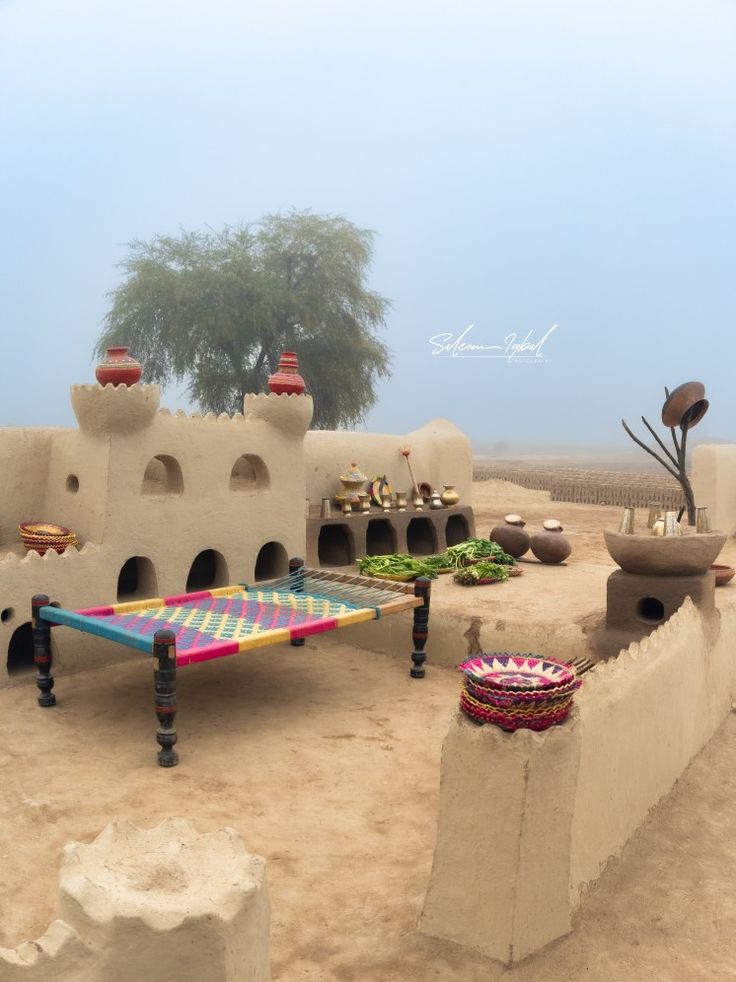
{"type": "Point", "coordinates": [352, 590]}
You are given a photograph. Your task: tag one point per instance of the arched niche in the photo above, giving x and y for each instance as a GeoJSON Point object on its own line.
{"type": "Point", "coordinates": [271, 561]}
{"type": "Point", "coordinates": [380, 537]}
{"type": "Point", "coordinates": [249, 473]}
{"type": "Point", "coordinates": [456, 530]}
{"type": "Point", "coordinates": [163, 476]}
{"type": "Point", "coordinates": [208, 570]}
{"type": "Point", "coordinates": [421, 537]}
{"type": "Point", "coordinates": [335, 546]}
{"type": "Point", "coordinates": [137, 579]}
{"type": "Point", "coordinates": [20, 651]}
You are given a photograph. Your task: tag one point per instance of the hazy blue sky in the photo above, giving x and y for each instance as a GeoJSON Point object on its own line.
{"type": "Point", "coordinates": [525, 163]}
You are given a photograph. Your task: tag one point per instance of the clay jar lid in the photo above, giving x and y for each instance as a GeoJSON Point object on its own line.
{"type": "Point", "coordinates": [514, 520]}
{"type": "Point", "coordinates": [685, 406]}
{"type": "Point", "coordinates": [552, 525]}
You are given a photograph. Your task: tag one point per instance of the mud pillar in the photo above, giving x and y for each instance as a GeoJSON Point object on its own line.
{"type": "Point", "coordinates": [168, 904]}
{"type": "Point", "coordinates": [500, 881]}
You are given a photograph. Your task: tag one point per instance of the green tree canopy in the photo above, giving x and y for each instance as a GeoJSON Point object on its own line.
{"type": "Point", "coordinates": [217, 309]}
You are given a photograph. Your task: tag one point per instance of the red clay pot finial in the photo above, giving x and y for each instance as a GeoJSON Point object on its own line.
{"type": "Point", "coordinates": [287, 378]}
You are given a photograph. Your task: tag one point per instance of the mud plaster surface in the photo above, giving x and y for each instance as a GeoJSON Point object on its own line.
{"type": "Point", "coordinates": [326, 761]}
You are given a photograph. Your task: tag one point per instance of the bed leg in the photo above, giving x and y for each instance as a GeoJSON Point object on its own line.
{"type": "Point", "coordinates": [420, 630]}
{"type": "Point", "coordinates": [42, 652]}
{"type": "Point", "coordinates": [164, 678]}
{"type": "Point", "coordinates": [297, 585]}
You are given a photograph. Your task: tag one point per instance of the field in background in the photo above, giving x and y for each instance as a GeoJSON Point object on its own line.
{"type": "Point", "coordinates": [610, 481]}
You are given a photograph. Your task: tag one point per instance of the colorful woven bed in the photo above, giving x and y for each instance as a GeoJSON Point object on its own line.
{"type": "Point", "coordinates": [196, 627]}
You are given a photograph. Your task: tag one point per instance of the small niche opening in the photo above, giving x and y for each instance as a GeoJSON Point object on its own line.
{"type": "Point", "coordinates": [421, 537]}
{"type": "Point", "coordinates": [163, 476]}
{"type": "Point", "coordinates": [209, 569]}
{"type": "Point", "coordinates": [456, 530]}
{"type": "Point", "coordinates": [248, 473]}
{"type": "Point", "coordinates": [335, 546]}
{"type": "Point", "coordinates": [380, 538]}
{"type": "Point", "coordinates": [7, 615]}
{"type": "Point", "coordinates": [271, 561]}
{"type": "Point", "coordinates": [650, 609]}
{"type": "Point", "coordinates": [20, 651]}
{"type": "Point", "coordinates": [72, 484]}
{"type": "Point", "coordinates": [137, 579]}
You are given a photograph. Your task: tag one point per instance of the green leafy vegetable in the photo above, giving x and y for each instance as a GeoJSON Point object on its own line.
{"type": "Point", "coordinates": [395, 564]}
{"type": "Point", "coordinates": [471, 575]}
{"type": "Point", "coordinates": [473, 549]}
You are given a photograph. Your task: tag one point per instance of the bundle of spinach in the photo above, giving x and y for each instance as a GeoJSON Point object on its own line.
{"type": "Point", "coordinates": [395, 564]}
{"type": "Point", "coordinates": [472, 575]}
{"type": "Point", "coordinates": [473, 549]}
{"type": "Point", "coordinates": [441, 563]}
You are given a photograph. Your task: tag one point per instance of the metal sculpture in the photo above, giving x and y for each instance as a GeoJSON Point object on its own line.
{"type": "Point", "coordinates": [683, 408]}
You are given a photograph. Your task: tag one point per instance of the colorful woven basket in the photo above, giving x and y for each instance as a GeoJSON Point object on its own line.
{"type": "Point", "coordinates": [518, 691]}
{"type": "Point", "coordinates": [40, 536]}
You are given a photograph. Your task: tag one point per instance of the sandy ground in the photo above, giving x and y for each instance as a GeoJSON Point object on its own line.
{"type": "Point", "coordinates": [326, 760]}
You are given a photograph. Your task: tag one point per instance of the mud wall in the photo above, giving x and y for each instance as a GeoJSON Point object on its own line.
{"type": "Point", "coordinates": [440, 454]}
{"type": "Point", "coordinates": [568, 800]}
{"type": "Point", "coordinates": [714, 483]}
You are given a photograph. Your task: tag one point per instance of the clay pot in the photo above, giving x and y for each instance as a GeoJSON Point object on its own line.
{"type": "Point", "coordinates": [449, 496]}
{"type": "Point", "coordinates": [511, 536]}
{"type": "Point", "coordinates": [118, 368]}
{"type": "Point", "coordinates": [685, 406]}
{"type": "Point", "coordinates": [723, 573]}
{"type": "Point", "coordinates": [286, 378]}
{"type": "Point", "coordinates": [550, 545]}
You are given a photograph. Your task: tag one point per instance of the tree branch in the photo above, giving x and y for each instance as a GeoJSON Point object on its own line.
{"type": "Point", "coordinates": [673, 431]}
{"type": "Point", "coordinates": [660, 441]}
{"type": "Point", "coordinates": [650, 451]}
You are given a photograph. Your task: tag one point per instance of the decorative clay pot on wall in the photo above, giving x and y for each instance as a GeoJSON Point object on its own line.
{"type": "Point", "coordinates": [286, 378]}
{"type": "Point", "coordinates": [511, 536]}
{"type": "Point", "coordinates": [118, 367]}
{"type": "Point", "coordinates": [550, 545]}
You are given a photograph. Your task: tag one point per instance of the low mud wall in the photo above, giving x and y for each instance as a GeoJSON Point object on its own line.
{"type": "Point", "coordinates": [568, 800]}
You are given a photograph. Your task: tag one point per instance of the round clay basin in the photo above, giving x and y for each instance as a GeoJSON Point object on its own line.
{"type": "Point", "coordinates": [723, 573]}
{"type": "Point", "coordinates": [678, 555]}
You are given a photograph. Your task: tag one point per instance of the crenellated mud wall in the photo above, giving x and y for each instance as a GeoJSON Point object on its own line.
{"type": "Point", "coordinates": [162, 503]}
{"type": "Point", "coordinates": [528, 821]}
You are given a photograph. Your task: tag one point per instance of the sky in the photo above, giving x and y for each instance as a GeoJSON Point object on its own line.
{"type": "Point", "coordinates": [556, 173]}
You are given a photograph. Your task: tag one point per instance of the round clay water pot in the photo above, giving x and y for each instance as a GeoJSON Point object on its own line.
{"type": "Point", "coordinates": [118, 368]}
{"type": "Point", "coordinates": [511, 536]}
{"type": "Point", "coordinates": [550, 545]}
{"type": "Point", "coordinates": [690, 554]}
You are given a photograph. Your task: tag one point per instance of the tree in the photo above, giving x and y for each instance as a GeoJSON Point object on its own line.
{"type": "Point", "coordinates": [217, 309]}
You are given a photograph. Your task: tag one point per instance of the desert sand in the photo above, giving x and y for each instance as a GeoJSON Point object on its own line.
{"type": "Point", "coordinates": [326, 760]}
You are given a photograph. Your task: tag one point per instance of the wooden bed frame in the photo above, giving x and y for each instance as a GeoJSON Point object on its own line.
{"type": "Point", "coordinates": [342, 600]}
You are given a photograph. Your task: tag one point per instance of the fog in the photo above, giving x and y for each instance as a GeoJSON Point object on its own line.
{"type": "Point", "coordinates": [531, 169]}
